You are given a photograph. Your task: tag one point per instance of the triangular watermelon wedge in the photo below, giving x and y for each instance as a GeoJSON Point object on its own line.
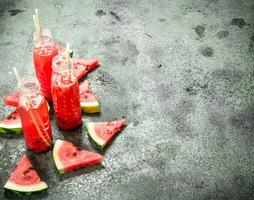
{"type": "Point", "coordinates": [81, 66]}
{"type": "Point", "coordinates": [103, 132]}
{"type": "Point", "coordinates": [69, 157]}
{"type": "Point", "coordinates": [24, 178]}
{"type": "Point", "coordinates": [88, 100]}
{"type": "Point", "coordinates": [12, 99]}
{"type": "Point", "coordinates": [11, 124]}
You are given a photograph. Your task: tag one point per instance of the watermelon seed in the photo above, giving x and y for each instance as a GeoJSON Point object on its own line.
{"type": "Point", "coordinates": [78, 149]}
{"type": "Point", "coordinates": [28, 170]}
{"type": "Point", "coordinates": [28, 177]}
{"type": "Point", "coordinates": [74, 154]}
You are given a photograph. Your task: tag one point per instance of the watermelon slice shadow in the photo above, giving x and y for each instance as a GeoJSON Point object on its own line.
{"type": "Point", "coordinates": [11, 136]}
{"type": "Point", "coordinates": [24, 195]}
{"type": "Point", "coordinates": [98, 114]}
{"type": "Point", "coordinates": [79, 172]}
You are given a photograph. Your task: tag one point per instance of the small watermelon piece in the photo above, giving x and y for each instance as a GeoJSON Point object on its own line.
{"type": "Point", "coordinates": [102, 132]}
{"type": "Point", "coordinates": [12, 99]}
{"type": "Point", "coordinates": [11, 124]}
{"type": "Point", "coordinates": [88, 100]}
{"type": "Point", "coordinates": [24, 178]}
{"type": "Point", "coordinates": [81, 67]}
{"type": "Point", "coordinates": [69, 157]}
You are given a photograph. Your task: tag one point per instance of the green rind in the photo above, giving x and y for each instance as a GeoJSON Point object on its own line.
{"type": "Point", "coordinates": [99, 144]}
{"type": "Point", "coordinates": [25, 188]}
{"type": "Point", "coordinates": [96, 145]}
{"type": "Point", "coordinates": [2, 131]}
{"type": "Point", "coordinates": [55, 157]}
{"type": "Point", "coordinates": [5, 130]}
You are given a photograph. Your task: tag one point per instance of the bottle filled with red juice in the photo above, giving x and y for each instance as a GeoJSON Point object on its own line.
{"type": "Point", "coordinates": [43, 53]}
{"type": "Point", "coordinates": [34, 114]}
{"type": "Point", "coordinates": [65, 94]}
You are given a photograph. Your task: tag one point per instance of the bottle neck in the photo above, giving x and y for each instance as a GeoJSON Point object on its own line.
{"type": "Point", "coordinates": [61, 64]}
{"type": "Point", "coordinates": [47, 39]}
{"type": "Point", "coordinates": [29, 89]}
{"type": "Point", "coordinates": [29, 86]}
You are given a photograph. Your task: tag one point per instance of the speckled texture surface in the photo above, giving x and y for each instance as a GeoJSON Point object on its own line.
{"type": "Point", "coordinates": [180, 71]}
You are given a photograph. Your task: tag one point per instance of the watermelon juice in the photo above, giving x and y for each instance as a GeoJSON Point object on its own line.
{"type": "Point", "coordinates": [34, 115]}
{"type": "Point", "coordinates": [65, 94]}
{"type": "Point", "coordinates": [43, 53]}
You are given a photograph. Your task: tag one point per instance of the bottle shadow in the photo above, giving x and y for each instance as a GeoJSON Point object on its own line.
{"type": "Point", "coordinates": [23, 196]}
{"type": "Point", "coordinates": [75, 136]}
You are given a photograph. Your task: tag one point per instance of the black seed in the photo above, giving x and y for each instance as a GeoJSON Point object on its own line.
{"type": "Point", "coordinates": [207, 51]}
{"type": "Point", "coordinates": [200, 31]}
{"type": "Point", "coordinates": [100, 13]}
{"type": "Point", "coordinates": [238, 22]}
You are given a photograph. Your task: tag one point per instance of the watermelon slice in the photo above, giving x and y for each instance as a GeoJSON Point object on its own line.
{"type": "Point", "coordinates": [24, 178]}
{"type": "Point", "coordinates": [69, 157]}
{"type": "Point", "coordinates": [102, 132]}
{"type": "Point", "coordinates": [81, 67]}
{"type": "Point", "coordinates": [11, 124]}
{"type": "Point", "coordinates": [12, 99]}
{"type": "Point", "coordinates": [88, 100]}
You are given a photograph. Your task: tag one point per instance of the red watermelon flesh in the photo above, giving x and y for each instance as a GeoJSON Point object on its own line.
{"type": "Point", "coordinates": [24, 178]}
{"type": "Point", "coordinates": [81, 67]}
{"type": "Point", "coordinates": [86, 94]}
{"type": "Point", "coordinates": [11, 124]}
{"type": "Point", "coordinates": [12, 99]}
{"type": "Point", "coordinates": [69, 157]}
{"type": "Point", "coordinates": [103, 132]}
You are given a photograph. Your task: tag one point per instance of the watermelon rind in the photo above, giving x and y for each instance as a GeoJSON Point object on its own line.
{"type": "Point", "coordinates": [92, 134]}
{"type": "Point", "coordinates": [11, 128]}
{"type": "Point", "coordinates": [26, 188]}
{"type": "Point", "coordinates": [59, 166]}
{"type": "Point", "coordinates": [90, 107]}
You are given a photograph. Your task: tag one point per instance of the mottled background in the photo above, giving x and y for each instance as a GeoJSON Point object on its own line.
{"type": "Point", "coordinates": [180, 71]}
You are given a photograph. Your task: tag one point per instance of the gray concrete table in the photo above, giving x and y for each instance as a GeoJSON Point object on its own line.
{"type": "Point", "coordinates": [181, 72]}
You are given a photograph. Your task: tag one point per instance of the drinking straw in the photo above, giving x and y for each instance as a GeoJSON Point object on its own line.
{"type": "Point", "coordinates": [68, 56]}
{"type": "Point", "coordinates": [33, 113]}
{"type": "Point", "coordinates": [37, 25]}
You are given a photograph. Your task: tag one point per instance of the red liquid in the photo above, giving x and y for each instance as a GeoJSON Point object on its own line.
{"type": "Point", "coordinates": [43, 67]}
{"type": "Point", "coordinates": [33, 139]}
{"type": "Point", "coordinates": [66, 103]}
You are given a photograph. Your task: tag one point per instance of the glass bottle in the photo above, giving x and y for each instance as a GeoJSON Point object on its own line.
{"type": "Point", "coordinates": [43, 53]}
{"type": "Point", "coordinates": [34, 114]}
{"type": "Point", "coordinates": [65, 94]}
